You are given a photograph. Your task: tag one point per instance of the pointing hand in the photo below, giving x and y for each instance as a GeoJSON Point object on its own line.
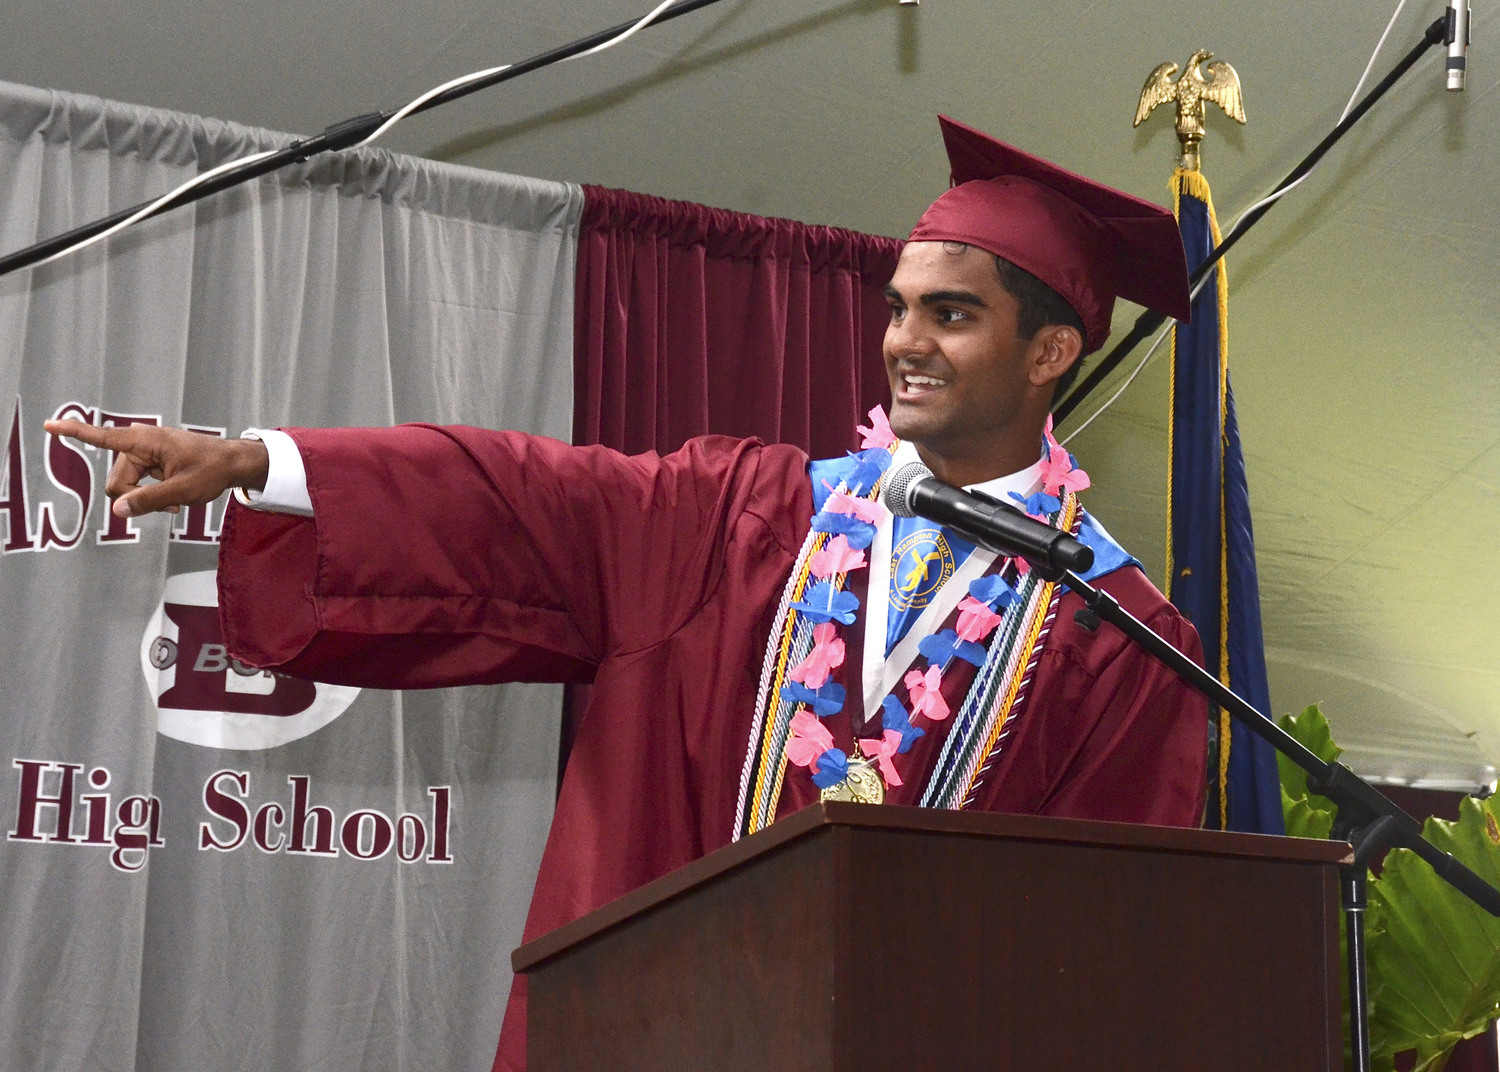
{"type": "Point", "coordinates": [188, 468]}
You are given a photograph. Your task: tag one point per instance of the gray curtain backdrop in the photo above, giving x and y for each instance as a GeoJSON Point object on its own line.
{"type": "Point", "coordinates": [183, 881]}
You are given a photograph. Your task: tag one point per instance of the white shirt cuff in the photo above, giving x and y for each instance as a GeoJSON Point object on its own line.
{"type": "Point", "coordinates": [286, 479]}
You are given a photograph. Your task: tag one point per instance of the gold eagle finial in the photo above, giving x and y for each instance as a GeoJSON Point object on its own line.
{"type": "Point", "coordinates": [1222, 86]}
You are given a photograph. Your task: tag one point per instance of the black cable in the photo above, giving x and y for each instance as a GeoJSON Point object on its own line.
{"type": "Point", "coordinates": [339, 135]}
{"type": "Point", "coordinates": [1149, 321]}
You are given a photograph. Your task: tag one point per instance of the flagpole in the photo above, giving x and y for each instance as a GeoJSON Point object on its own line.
{"type": "Point", "coordinates": [1148, 321]}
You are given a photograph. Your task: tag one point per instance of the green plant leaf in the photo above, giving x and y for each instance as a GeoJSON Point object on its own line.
{"type": "Point", "coordinates": [1305, 819]}
{"type": "Point", "coordinates": [1306, 814]}
{"type": "Point", "coordinates": [1310, 729]}
{"type": "Point", "coordinates": [1435, 952]}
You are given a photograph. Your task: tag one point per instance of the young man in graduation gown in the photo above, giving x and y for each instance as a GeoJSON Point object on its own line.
{"type": "Point", "coordinates": [759, 630]}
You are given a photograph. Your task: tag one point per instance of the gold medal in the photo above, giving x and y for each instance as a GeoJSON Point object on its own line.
{"type": "Point", "coordinates": [862, 785]}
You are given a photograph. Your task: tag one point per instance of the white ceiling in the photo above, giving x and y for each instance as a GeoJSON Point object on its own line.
{"type": "Point", "coordinates": [1364, 324]}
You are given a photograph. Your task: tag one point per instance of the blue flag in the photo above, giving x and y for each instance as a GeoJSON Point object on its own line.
{"type": "Point", "coordinates": [1211, 565]}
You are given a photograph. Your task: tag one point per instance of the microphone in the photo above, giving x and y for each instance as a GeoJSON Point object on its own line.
{"type": "Point", "coordinates": [1457, 40]}
{"type": "Point", "coordinates": [913, 491]}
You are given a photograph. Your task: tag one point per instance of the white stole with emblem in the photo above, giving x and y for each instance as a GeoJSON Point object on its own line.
{"type": "Point", "coordinates": [881, 672]}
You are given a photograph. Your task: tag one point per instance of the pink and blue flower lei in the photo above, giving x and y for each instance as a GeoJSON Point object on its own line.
{"type": "Point", "coordinates": [851, 521]}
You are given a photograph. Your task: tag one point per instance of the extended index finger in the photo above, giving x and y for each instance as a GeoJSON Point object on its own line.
{"type": "Point", "coordinates": [109, 438]}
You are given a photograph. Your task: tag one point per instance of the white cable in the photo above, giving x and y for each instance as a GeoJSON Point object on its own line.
{"type": "Point", "coordinates": [476, 76]}
{"type": "Point", "coordinates": [400, 114]}
{"type": "Point", "coordinates": [643, 22]}
{"type": "Point", "coordinates": [1371, 65]}
{"type": "Point", "coordinates": [1128, 381]}
{"type": "Point", "coordinates": [1134, 372]}
{"type": "Point", "coordinates": [1348, 107]}
{"type": "Point", "coordinates": [1271, 199]}
{"type": "Point", "coordinates": [146, 210]}
{"type": "Point", "coordinates": [411, 106]}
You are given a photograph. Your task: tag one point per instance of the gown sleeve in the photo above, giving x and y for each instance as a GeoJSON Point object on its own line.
{"type": "Point", "coordinates": [448, 555]}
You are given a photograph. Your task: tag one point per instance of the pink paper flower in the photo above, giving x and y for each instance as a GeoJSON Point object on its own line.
{"type": "Point", "coordinates": [1059, 474]}
{"type": "Point", "coordinates": [975, 619]}
{"type": "Point", "coordinates": [925, 692]}
{"type": "Point", "coordinates": [881, 750]}
{"type": "Point", "coordinates": [1022, 566]}
{"type": "Point", "coordinates": [841, 502]}
{"type": "Point", "coordinates": [809, 740]}
{"type": "Point", "coordinates": [826, 656]}
{"type": "Point", "coordinates": [836, 557]}
{"type": "Point", "coordinates": [878, 434]}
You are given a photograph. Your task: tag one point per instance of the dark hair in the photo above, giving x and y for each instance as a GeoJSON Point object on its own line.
{"type": "Point", "coordinates": [1040, 306]}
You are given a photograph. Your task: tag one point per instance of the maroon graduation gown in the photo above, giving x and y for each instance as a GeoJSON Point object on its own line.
{"type": "Point", "coordinates": [448, 556]}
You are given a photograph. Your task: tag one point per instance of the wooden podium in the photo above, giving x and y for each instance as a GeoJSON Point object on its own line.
{"type": "Point", "coordinates": [857, 938]}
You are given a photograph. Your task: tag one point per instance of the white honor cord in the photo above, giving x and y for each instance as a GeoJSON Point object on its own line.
{"type": "Point", "coordinates": [1269, 200]}
{"type": "Point", "coordinates": [402, 113]}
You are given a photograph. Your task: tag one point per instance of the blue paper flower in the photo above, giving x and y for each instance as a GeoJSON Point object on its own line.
{"type": "Point", "coordinates": [1108, 555]}
{"type": "Point", "coordinates": [828, 700]}
{"type": "Point", "coordinates": [868, 467]}
{"type": "Point", "coordinates": [858, 533]}
{"type": "Point", "coordinates": [940, 647]}
{"type": "Point", "coordinates": [1039, 503]}
{"type": "Point", "coordinates": [824, 604]}
{"type": "Point", "coordinates": [895, 717]}
{"type": "Point", "coordinates": [833, 768]}
{"type": "Point", "coordinates": [994, 591]}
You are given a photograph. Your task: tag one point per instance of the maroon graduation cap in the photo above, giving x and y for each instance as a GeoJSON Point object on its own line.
{"type": "Point", "coordinates": [1088, 242]}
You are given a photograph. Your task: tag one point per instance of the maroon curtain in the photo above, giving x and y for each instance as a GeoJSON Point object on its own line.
{"type": "Point", "coordinates": [690, 320]}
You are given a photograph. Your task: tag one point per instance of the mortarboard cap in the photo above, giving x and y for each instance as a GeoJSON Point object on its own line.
{"type": "Point", "coordinates": [1088, 242]}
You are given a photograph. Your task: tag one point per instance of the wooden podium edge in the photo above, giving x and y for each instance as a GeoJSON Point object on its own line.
{"type": "Point", "coordinates": [828, 814]}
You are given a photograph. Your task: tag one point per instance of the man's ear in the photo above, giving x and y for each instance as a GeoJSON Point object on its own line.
{"type": "Point", "coordinates": [1054, 350]}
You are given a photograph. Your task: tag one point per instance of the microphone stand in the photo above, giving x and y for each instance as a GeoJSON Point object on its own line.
{"type": "Point", "coordinates": [336, 136]}
{"type": "Point", "coordinates": [1366, 818]}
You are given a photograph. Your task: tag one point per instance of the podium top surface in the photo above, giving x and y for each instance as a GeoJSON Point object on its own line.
{"type": "Point", "coordinates": [832, 814]}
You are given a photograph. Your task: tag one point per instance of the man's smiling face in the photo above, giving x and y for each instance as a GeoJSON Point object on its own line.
{"type": "Point", "coordinates": [961, 378]}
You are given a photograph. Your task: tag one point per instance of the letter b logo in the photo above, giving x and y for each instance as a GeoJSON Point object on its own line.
{"type": "Point", "coordinates": [205, 697]}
